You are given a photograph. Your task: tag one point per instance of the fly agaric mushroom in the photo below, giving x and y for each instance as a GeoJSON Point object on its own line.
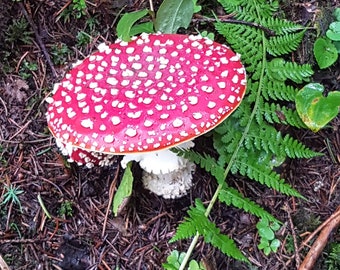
{"type": "Point", "coordinates": [142, 97]}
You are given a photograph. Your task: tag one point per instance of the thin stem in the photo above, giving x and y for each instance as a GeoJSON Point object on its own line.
{"type": "Point", "coordinates": [151, 5]}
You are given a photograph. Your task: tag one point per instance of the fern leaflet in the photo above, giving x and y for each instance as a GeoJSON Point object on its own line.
{"type": "Point", "coordinates": [198, 222]}
{"type": "Point", "coordinates": [231, 196]}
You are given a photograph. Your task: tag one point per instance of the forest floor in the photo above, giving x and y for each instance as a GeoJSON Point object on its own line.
{"type": "Point", "coordinates": [81, 232]}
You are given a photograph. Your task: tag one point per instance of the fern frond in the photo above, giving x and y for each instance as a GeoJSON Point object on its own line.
{"type": "Point", "coordinates": [246, 40]}
{"type": "Point", "coordinates": [264, 138]}
{"type": "Point", "coordinates": [231, 196]}
{"type": "Point", "coordinates": [281, 27]}
{"type": "Point", "coordinates": [279, 69]}
{"type": "Point", "coordinates": [265, 176]}
{"type": "Point", "coordinates": [275, 113]}
{"type": "Point", "coordinates": [279, 45]}
{"type": "Point", "coordinates": [198, 222]}
{"type": "Point", "coordinates": [278, 90]}
{"type": "Point", "coordinates": [295, 149]}
{"type": "Point", "coordinates": [250, 10]}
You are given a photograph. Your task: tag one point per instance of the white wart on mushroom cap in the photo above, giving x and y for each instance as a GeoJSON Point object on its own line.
{"type": "Point", "coordinates": [152, 93]}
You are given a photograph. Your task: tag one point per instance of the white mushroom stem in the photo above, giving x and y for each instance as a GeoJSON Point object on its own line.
{"type": "Point", "coordinates": [165, 173]}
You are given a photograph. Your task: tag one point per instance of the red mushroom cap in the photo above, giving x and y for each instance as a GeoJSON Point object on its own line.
{"type": "Point", "coordinates": [152, 93]}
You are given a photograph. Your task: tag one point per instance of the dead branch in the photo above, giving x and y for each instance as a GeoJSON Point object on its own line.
{"type": "Point", "coordinates": [328, 226]}
{"type": "Point", "coordinates": [38, 38]}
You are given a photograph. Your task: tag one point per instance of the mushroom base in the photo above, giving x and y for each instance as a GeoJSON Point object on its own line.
{"type": "Point", "coordinates": [170, 185]}
{"type": "Point", "coordinates": [165, 173]}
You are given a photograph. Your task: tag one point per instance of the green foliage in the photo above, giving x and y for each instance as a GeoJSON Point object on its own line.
{"type": "Point", "coordinates": [79, 8]}
{"type": "Point", "coordinates": [26, 69]}
{"type": "Point", "coordinates": [83, 39]}
{"type": "Point", "coordinates": [316, 110]}
{"type": "Point", "coordinates": [124, 190]}
{"type": "Point", "coordinates": [262, 147]}
{"type": "Point", "coordinates": [11, 196]}
{"type": "Point", "coordinates": [173, 14]}
{"type": "Point", "coordinates": [18, 32]}
{"type": "Point", "coordinates": [175, 259]}
{"type": "Point", "coordinates": [231, 196]}
{"type": "Point", "coordinates": [59, 53]}
{"type": "Point", "coordinates": [333, 258]}
{"type": "Point", "coordinates": [325, 52]}
{"type": "Point", "coordinates": [66, 209]}
{"type": "Point", "coordinates": [268, 242]}
{"type": "Point", "coordinates": [327, 48]}
{"type": "Point", "coordinates": [248, 143]}
{"type": "Point", "coordinates": [126, 28]}
{"type": "Point", "coordinates": [76, 9]}
{"type": "Point", "coordinates": [197, 222]}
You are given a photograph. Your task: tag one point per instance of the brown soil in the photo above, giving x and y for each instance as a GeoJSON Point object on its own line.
{"type": "Point", "coordinates": [139, 237]}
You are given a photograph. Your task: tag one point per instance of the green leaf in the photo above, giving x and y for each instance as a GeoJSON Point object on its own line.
{"type": "Point", "coordinates": [124, 190]}
{"type": "Point", "coordinates": [275, 226]}
{"type": "Point", "coordinates": [325, 52]}
{"type": "Point", "coordinates": [194, 265]}
{"type": "Point", "coordinates": [264, 230]}
{"type": "Point", "coordinates": [333, 31]}
{"type": "Point", "coordinates": [173, 14]}
{"type": "Point", "coordinates": [264, 243]}
{"type": "Point", "coordinates": [275, 244]}
{"type": "Point", "coordinates": [142, 28]}
{"type": "Point", "coordinates": [337, 46]}
{"type": "Point", "coordinates": [127, 21]}
{"type": "Point", "coordinates": [315, 109]}
{"type": "Point", "coordinates": [174, 260]}
{"type": "Point", "coordinates": [336, 14]}
{"type": "Point", "coordinates": [267, 250]}
{"type": "Point", "coordinates": [197, 8]}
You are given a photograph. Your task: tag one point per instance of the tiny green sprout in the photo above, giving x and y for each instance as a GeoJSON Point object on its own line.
{"type": "Point", "coordinates": [66, 209]}
{"type": "Point", "coordinates": [26, 69]}
{"type": "Point", "coordinates": [207, 34]}
{"type": "Point", "coordinates": [333, 258]}
{"type": "Point", "coordinates": [11, 196]}
{"type": "Point", "coordinates": [60, 53]}
{"type": "Point", "coordinates": [83, 38]}
{"type": "Point", "coordinates": [79, 7]}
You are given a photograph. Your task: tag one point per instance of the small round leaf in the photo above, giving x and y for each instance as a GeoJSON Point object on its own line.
{"type": "Point", "coordinates": [333, 31]}
{"type": "Point", "coordinates": [314, 109]}
{"type": "Point", "coordinates": [325, 52]}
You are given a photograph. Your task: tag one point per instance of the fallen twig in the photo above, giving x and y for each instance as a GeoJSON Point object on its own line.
{"type": "Point", "coordinates": [297, 257]}
{"type": "Point", "coordinates": [38, 38]}
{"type": "Point", "coordinates": [327, 227]}
{"type": "Point", "coordinates": [3, 264]}
{"type": "Point", "coordinates": [111, 194]}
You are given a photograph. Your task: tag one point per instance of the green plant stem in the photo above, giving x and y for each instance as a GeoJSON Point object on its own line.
{"type": "Point", "coordinates": [41, 202]}
{"type": "Point", "coordinates": [233, 157]}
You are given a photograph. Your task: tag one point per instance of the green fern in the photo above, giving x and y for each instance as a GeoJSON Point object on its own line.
{"type": "Point", "coordinates": [279, 45]}
{"type": "Point", "coordinates": [231, 196]}
{"type": "Point", "coordinates": [197, 222]}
